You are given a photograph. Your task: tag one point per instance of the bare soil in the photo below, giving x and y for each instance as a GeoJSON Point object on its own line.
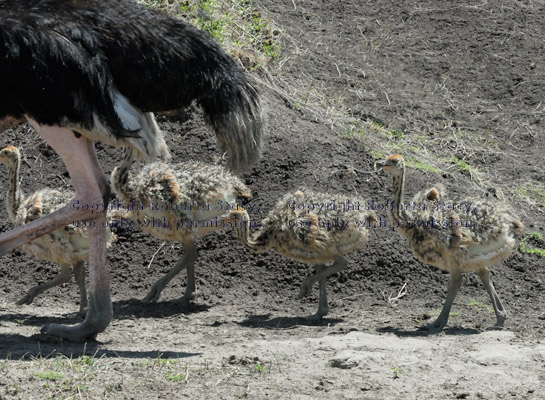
{"type": "Point", "coordinates": [415, 66]}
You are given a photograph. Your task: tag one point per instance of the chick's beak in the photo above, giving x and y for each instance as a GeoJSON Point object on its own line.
{"type": "Point", "coordinates": [379, 164]}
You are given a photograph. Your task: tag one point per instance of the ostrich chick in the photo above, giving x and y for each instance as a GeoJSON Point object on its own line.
{"type": "Point", "coordinates": [471, 235]}
{"type": "Point", "coordinates": [313, 228]}
{"type": "Point", "coordinates": [178, 202]}
{"type": "Point", "coordinates": [66, 246]}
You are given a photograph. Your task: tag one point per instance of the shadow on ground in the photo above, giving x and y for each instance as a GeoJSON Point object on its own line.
{"type": "Point", "coordinates": [266, 321]}
{"type": "Point", "coordinates": [425, 333]}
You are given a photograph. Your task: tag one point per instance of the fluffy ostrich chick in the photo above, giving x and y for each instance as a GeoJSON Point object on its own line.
{"type": "Point", "coordinates": [472, 236]}
{"type": "Point", "coordinates": [312, 228]}
{"type": "Point", "coordinates": [68, 246]}
{"type": "Point", "coordinates": [178, 202]}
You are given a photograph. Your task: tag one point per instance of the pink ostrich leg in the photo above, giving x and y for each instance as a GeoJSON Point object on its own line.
{"type": "Point", "coordinates": [92, 192]}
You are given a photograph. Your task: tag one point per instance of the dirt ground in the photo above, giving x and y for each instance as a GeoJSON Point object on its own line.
{"type": "Point", "coordinates": [420, 67]}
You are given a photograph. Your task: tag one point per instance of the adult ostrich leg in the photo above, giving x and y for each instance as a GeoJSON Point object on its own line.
{"type": "Point", "coordinates": [91, 187]}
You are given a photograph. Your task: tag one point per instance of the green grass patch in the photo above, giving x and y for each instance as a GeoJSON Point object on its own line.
{"type": "Point", "coordinates": [396, 371]}
{"type": "Point", "coordinates": [205, 15]}
{"type": "Point", "coordinates": [352, 132]}
{"type": "Point", "coordinates": [474, 303]}
{"type": "Point", "coordinates": [394, 134]}
{"type": "Point", "coordinates": [422, 166]}
{"type": "Point", "coordinates": [437, 311]}
{"type": "Point", "coordinates": [161, 362]}
{"type": "Point", "coordinates": [67, 377]}
{"type": "Point", "coordinates": [49, 375]}
{"type": "Point", "coordinates": [172, 377]}
{"type": "Point", "coordinates": [531, 191]}
{"type": "Point", "coordinates": [535, 237]}
{"type": "Point", "coordinates": [464, 166]}
{"type": "Point", "coordinates": [240, 28]}
{"type": "Point", "coordinates": [390, 141]}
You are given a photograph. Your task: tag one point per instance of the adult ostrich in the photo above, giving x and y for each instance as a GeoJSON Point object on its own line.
{"type": "Point", "coordinates": [80, 71]}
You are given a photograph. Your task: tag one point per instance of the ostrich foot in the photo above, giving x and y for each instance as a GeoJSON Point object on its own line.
{"type": "Point", "coordinates": [315, 317]}
{"type": "Point", "coordinates": [155, 292]}
{"type": "Point", "coordinates": [323, 307]}
{"type": "Point", "coordinates": [186, 298]}
{"type": "Point", "coordinates": [74, 333]}
{"type": "Point", "coordinates": [78, 315]}
{"type": "Point", "coordinates": [28, 298]}
{"type": "Point", "coordinates": [95, 322]}
{"type": "Point", "coordinates": [497, 327]}
{"type": "Point", "coordinates": [437, 325]}
{"type": "Point", "coordinates": [318, 316]}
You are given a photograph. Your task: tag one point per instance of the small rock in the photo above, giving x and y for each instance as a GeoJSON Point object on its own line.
{"type": "Point", "coordinates": [343, 363]}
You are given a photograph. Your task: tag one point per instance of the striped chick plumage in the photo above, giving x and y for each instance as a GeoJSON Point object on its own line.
{"type": "Point", "coordinates": [178, 202]}
{"type": "Point", "coordinates": [313, 228]}
{"type": "Point", "coordinates": [68, 246]}
{"type": "Point", "coordinates": [454, 235]}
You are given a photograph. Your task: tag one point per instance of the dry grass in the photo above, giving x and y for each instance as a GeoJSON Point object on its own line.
{"type": "Point", "coordinates": [242, 30]}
